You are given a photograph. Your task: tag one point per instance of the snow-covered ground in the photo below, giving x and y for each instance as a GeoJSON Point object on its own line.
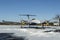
{"type": "Point", "coordinates": [31, 34]}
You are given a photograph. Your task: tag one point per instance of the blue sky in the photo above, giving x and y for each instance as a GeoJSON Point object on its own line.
{"type": "Point", "coordinates": [44, 9]}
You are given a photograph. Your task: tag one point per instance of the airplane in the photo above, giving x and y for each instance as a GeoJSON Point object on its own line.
{"type": "Point", "coordinates": [28, 16]}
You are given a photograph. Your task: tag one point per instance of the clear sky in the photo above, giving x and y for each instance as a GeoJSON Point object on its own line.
{"type": "Point", "coordinates": [44, 9]}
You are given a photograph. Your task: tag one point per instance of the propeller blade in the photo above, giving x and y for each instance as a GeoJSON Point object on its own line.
{"type": "Point", "coordinates": [26, 15]}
